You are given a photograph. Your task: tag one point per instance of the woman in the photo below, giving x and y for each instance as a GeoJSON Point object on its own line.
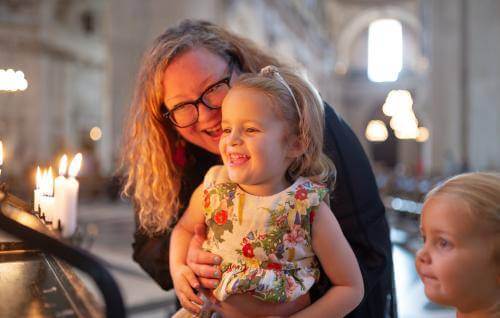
{"type": "Point", "coordinates": [172, 140]}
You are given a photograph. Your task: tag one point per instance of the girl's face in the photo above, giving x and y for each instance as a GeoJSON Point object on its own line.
{"type": "Point", "coordinates": [456, 262]}
{"type": "Point", "coordinates": [186, 79]}
{"type": "Point", "coordinates": [254, 145]}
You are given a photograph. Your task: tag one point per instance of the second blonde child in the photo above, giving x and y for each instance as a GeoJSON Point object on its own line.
{"type": "Point", "coordinates": [459, 263]}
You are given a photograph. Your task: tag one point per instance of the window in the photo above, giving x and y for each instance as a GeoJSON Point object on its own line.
{"type": "Point", "coordinates": [385, 50]}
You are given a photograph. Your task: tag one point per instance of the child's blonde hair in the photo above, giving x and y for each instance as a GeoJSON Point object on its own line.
{"type": "Point", "coordinates": [481, 192]}
{"type": "Point", "coordinates": [297, 102]}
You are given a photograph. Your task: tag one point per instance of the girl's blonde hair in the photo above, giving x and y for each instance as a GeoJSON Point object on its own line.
{"type": "Point", "coordinates": [296, 101]}
{"type": "Point", "coordinates": [153, 180]}
{"type": "Point", "coordinates": [481, 192]}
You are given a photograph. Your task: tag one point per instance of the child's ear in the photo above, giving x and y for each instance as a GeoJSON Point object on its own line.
{"type": "Point", "coordinates": [296, 146]}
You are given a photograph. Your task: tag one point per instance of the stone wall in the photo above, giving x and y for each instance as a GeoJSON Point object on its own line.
{"type": "Point", "coordinates": [59, 46]}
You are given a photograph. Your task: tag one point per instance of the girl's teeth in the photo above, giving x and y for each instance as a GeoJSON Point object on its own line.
{"type": "Point", "coordinates": [237, 159]}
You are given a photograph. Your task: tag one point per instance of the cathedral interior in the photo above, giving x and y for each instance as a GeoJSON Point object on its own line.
{"type": "Point", "coordinates": [68, 69]}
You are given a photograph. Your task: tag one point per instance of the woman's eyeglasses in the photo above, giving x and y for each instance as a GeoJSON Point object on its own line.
{"type": "Point", "coordinates": [186, 114]}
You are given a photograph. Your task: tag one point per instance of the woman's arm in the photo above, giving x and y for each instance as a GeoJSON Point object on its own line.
{"type": "Point", "coordinates": [151, 254]}
{"type": "Point", "coordinates": [184, 230]}
{"type": "Point", "coordinates": [183, 277]}
{"type": "Point", "coordinates": [340, 265]}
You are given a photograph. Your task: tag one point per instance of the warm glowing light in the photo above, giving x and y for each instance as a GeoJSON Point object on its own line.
{"type": "Point", "coordinates": [397, 100]}
{"type": "Point", "coordinates": [12, 81]}
{"type": "Point", "coordinates": [404, 120]}
{"type": "Point", "coordinates": [399, 105]}
{"type": "Point", "coordinates": [385, 50]}
{"type": "Point", "coordinates": [423, 134]}
{"type": "Point", "coordinates": [75, 165]}
{"type": "Point", "coordinates": [409, 132]}
{"type": "Point", "coordinates": [38, 177]}
{"type": "Point", "coordinates": [63, 165]}
{"type": "Point", "coordinates": [95, 133]}
{"type": "Point", "coordinates": [376, 131]}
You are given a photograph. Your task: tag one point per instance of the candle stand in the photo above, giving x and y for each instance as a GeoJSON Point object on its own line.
{"type": "Point", "coordinates": [36, 267]}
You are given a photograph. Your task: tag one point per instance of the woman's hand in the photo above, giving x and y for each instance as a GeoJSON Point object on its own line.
{"type": "Point", "coordinates": [184, 282]}
{"type": "Point", "coordinates": [203, 264]}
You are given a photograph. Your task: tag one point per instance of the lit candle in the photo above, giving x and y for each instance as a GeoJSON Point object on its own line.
{"type": "Point", "coordinates": [69, 214]}
{"type": "Point", "coordinates": [37, 191]}
{"type": "Point", "coordinates": [47, 197]}
{"type": "Point", "coordinates": [60, 186]}
{"type": "Point", "coordinates": [43, 187]}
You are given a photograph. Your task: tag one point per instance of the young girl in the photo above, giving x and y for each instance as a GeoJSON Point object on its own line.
{"type": "Point", "coordinates": [264, 208]}
{"type": "Point", "coordinates": [459, 263]}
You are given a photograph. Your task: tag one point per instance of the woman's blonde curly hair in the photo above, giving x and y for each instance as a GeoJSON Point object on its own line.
{"type": "Point", "coordinates": [152, 179]}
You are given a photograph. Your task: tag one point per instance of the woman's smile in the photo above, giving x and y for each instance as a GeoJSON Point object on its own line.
{"type": "Point", "coordinates": [214, 131]}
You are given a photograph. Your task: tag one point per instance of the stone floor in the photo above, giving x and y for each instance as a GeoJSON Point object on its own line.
{"type": "Point", "coordinates": [109, 227]}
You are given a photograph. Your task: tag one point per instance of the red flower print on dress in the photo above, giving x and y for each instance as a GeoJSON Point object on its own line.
{"type": "Point", "coordinates": [221, 217]}
{"type": "Point", "coordinates": [311, 216]}
{"type": "Point", "coordinates": [275, 266]}
{"type": "Point", "coordinates": [248, 250]}
{"type": "Point", "coordinates": [301, 193]}
{"type": "Point", "coordinates": [207, 199]}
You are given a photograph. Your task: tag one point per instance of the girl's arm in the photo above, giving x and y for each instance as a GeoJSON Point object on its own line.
{"type": "Point", "coordinates": [183, 277]}
{"type": "Point", "coordinates": [340, 265]}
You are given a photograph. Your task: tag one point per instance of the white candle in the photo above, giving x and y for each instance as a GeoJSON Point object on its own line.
{"type": "Point", "coordinates": [69, 213]}
{"type": "Point", "coordinates": [47, 197]}
{"type": "Point", "coordinates": [60, 193]}
{"type": "Point", "coordinates": [37, 191]}
{"type": "Point", "coordinates": [43, 188]}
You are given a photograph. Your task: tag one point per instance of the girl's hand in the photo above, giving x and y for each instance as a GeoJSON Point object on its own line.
{"type": "Point", "coordinates": [184, 282]}
{"type": "Point", "coordinates": [203, 264]}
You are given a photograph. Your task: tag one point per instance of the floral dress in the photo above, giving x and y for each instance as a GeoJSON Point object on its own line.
{"type": "Point", "coordinates": [265, 242]}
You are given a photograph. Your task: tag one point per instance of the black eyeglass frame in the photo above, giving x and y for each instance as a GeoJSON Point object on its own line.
{"type": "Point", "coordinates": [167, 114]}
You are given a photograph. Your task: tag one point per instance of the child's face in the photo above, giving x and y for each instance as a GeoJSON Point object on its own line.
{"type": "Point", "coordinates": [456, 262]}
{"type": "Point", "coordinates": [254, 145]}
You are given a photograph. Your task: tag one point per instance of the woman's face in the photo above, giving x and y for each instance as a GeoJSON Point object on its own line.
{"type": "Point", "coordinates": [186, 78]}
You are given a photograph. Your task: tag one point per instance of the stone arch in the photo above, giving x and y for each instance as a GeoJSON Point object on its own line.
{"type": "Point", "coordinates": [353, 29]}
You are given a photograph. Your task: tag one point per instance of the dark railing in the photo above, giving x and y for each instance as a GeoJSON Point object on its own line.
{"type": "Point", "coordinates": [16, 221]}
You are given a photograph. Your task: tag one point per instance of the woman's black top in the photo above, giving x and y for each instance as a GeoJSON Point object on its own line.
{"type": "Point", "coordinates": [355, 201]}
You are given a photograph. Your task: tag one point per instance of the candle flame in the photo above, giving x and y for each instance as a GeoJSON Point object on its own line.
{"type": "Point", "coordinates": [75, 165]}
{"type": "Point", "coordinates": [63, 165]}
{"type": "Point", "coordinates": [47, 182]}
{"type": "Point", "coordinates": [50, 182]}
{"type": "Point", "coordinates": [38, 178]}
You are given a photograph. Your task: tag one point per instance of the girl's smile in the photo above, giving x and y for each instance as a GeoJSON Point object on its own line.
{"type": "Point", "coordinates": [237, 159]}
